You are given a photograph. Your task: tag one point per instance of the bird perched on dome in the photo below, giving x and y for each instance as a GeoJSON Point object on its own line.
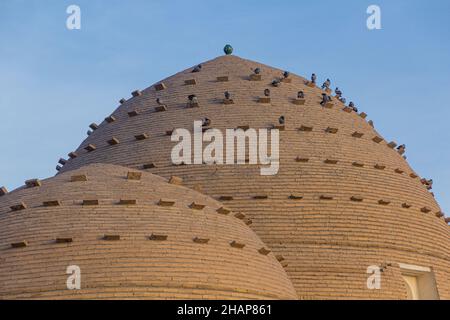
{"type": "Point", "coordinates": [257, 71]}
{"type": "Point", "coordinates": [401, 149]}
{"type": "Point", "coordinates": [227, 95]}
{"type": "Point", "coordinates": [343, 100]}
{"type": "Point", "coordinates": [300, 95]}
{"type": "Point", "coordinates": [286, 74]}
{"type": "Point", "coordinates": [313, 78]}
{"type": "Point", "coordinates": [338, 92]}
{"type": "Point", "coordinates": [197, 68]}
{"type": "Point", "coordinates": [325, 99]}
{"type": "Point", "coordinates": [326, 84]}
{"type": "Point", "coordinates": [267, 92]}
{"type": "Point", "coordinates": [281, 120]}
{"type": "Point", "coordinates": [276, 83]}
{"type": "Point", "coordinates": [352, 105]}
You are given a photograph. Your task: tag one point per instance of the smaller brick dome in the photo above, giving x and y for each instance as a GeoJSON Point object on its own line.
{"type": "Point", "coordinates": [133, 235]}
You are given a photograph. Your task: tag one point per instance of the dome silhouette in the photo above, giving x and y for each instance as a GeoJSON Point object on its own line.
{"type": "Point", "coordinates": [343, 199]}
{"type": "Point", "coordinates": [135, 237]}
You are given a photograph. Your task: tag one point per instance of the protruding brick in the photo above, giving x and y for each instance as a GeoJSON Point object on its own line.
{"type": "Point", "coordinates": [425, 210]}
{"type": "Point", "coordinates": [406, 205]}
{"type": "Point", "coordinates": [357, 198]}
{"type": "Point", "coordinates": [299, 101]}
{"type": "Point", "coordinates": [149, 166]}
{"type": "Point", "coordinates": [90, 148]}
{"type": "Point", "coordinates": [32, 183]}
{"type": "Point", "coordinates": [127, 202]}
{"type": "Point", "coordinates": [190, 82]}
{"type": "Point", "coordinates": [295, 197]}
{"type": "Point", "coordinates": [110, 119]}
{"type": "Point", "coordinates": [200, 240]}
{"type": "Point", "coordinates": [225, 198]}
{"type": "Point", "coordinates": [3, 191]}
{"type": "Point", "coordinates": [264, 99]}
{"type": "Point", "coordinates": [357, 134]}
{"type": "Point", "coordinates": [134, 175]}
{"type": "Point", "coordinates": [239, 215]}
{"type": "Point", "coordinates": [264, 251]}
{"type": "Point", "coordinates": [176, 180]}
{"type": "Point", "coordinates": [62, 161]}
{"type": "Point", "coordinates": [113, 141]}
{"type": "Point", "coordinates": [18, 207]}
{"type": "Point", "coordinates": [141, 136]}
{"type": "Point", "coordinates": [331, 130]}
{"type": "Point", "coordinates": [64, 240]}
{"type": "Point", "coordinates": [133, 113]}
{"type": "Point", "coordinates": [358, 164]}
{"type": "Point", "coordinates": [398, 170]}
{"type": "Point", "coordinates": [331, 161]}
{"type": "Point", "coordinates": [73, 155]}
{"type": "Point", "coordinates": [136, 93]}
{"type": "Point", "coordinates": [20, 244]}
{"type": "Point", "coordinates": [379, 166]}
{"type": "Point", "coordinates": [160, 86]}
{"type": "Point", "coordinates": [392, 144]}
{"type": "Point", "coordinates": [384, 202]}
{"type": "Point", "coordinates": [111, 237]}
{"type": "Point", "coordinates": [305, 128]}
{"type": "Point", "coordinates": [166, 203]}
{"type": "Point", "coordinates": [222, 79]}
{"type": "Point", "coordinates": [51, 203]}
{"type": "Point", "coordinates": [93, 126]}
{"type": "Point", "coordinates": [326, 197]}
{"type": "Point", "coordinates": [237, 245]}
{"type": "Point", "coordinates": [261, 197]}
{"type": "Point", "coordinates": [301, 159]}
{"type": "Point", "coordinates": [158, 237]}
{"type": "Point", "coordinates": [161, 108]}
{"type": "Point", "coordinates": [363, 115]}
{"type": "Point", "coordinates": [255, 77]}
{"type": "Point", "coordinates": [223, 210]}
{"type": "Point", "coordinates": [90, 202]}
{"type": "Point", "coordinates": [377, 139]}
{"type": "Point", "coordinates": [196, 206]}
{"type": "Point", "coordinates": [78, 178]}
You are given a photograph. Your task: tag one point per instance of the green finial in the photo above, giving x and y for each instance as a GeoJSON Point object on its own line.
{"type": "Point", "coordinates": [228, 49]}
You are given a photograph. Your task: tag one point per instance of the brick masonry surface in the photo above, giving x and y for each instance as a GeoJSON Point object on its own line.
{"type": "Point", "coordinates": [356, 201]}
{"type": "Point", "coordinates": [167, 265]}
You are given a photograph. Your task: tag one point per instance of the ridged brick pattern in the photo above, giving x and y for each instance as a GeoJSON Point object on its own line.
{"type": "Point", "coordinates": [310, 215]}
{"type": "Point", "coordinates": [126, 244]}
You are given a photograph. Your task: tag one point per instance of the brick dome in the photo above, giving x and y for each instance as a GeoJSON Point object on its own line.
{"type": "Point", "coordinates": [343, 199]}
{"type": "Point", "coordinates": [133, 235]}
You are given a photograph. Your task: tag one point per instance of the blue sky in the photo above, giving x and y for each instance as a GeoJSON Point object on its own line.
{"type": "Point", "coordinates": [55, 82]}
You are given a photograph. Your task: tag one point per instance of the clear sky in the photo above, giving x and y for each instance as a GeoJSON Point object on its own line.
{"type": "Point", "coordinates": [54, 82]}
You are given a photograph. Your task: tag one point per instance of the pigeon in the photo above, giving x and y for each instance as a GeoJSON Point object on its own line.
{"type": "Point", "coordinates": [257, 71]}
{"type": "Point", "coordinates": [325, 99]}
{"type": "Point", "coordinates": [197, 68]}
{"type": "Point", "coordinates": [338, 92]}
{"type": "Point", "coordinates": [276, 83]}
{"type": "Point", "coordinates": [267, 93]}
{"type": "Point", "coordinates": [227, 95]}
{"type": "Point", "coordinates": [300, 95]}
{"type": "Point", "coordinates": [326, 84]}
{"type": "Point", "coordinates": [313, 78]}
{"type": "Point", "coordinates": [286, 74]}
{"type": "Point", "coordinates": [281, 120]}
